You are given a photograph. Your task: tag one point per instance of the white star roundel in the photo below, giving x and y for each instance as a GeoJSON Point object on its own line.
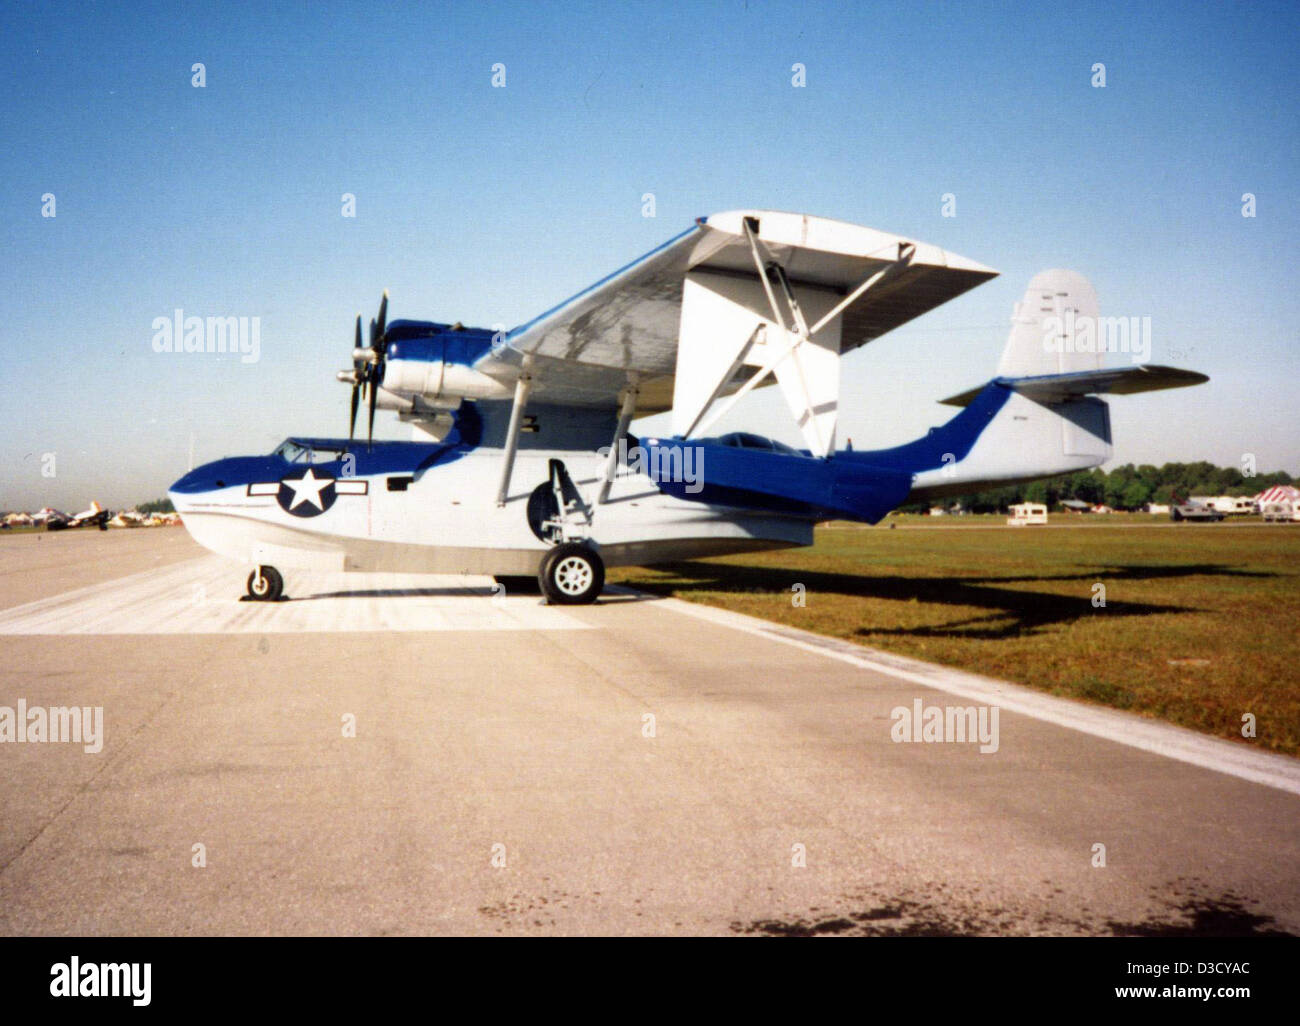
{"type": "Point", "coordinates": [308, 488]}
{"type": "Point", "coordinates": [309, 493]}
{"type": "Point", "coordinates": [306, 496]}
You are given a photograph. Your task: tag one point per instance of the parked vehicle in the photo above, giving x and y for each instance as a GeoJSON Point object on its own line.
{"type": "Point", "coordinates": [1193, 509]}
{"type": "Point", "coordinates": [1027, 513]}
{"type": "Point", "coordinates": [1285, 511]}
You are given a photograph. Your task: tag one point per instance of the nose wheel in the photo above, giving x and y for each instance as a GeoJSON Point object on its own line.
{"type": "Point", "coordinates": [265, 584]}
{"type": "Point", "coordinates": [571, 574]}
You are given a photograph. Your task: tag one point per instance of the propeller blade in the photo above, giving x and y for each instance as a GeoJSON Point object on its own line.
{"type": "Point", "coordinates": [369, 370]}
{"type": "Point", "coordinates": [370, 436]}
{"type": "Point", "coordinates": [360, 377]}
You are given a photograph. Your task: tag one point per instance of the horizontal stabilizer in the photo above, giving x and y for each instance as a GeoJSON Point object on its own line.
{"type": "Point", "coordinates": [1118, 380]}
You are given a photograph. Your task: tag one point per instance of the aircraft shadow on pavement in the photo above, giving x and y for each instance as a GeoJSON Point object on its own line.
{"type": "Point", "coordinates": [612, 594]}
{"type": "Point", "coordinates": [367, 593]}
{"type": "Point", "coordinates": [1011, 611]}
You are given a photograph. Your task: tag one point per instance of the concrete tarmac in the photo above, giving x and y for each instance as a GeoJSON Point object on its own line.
{"type": "Point", "coordinates": [633, 767]}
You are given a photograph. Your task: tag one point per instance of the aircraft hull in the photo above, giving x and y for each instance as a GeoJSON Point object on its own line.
{"type": "Point", "coordinates": [445, 521]}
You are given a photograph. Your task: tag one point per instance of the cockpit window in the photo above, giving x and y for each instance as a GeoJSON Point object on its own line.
{"type": "Point", "coordinates": [324, 455]}
{"type": "Point", "coordinates": [748, 440]}
{"type": "Point", "coordinates": [295, 452]}
{"type": "Point", "coordinates": [289, 451]}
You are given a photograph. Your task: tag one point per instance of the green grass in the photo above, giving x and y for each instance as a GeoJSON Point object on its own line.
{"type": "Point", "coordinates": [1199, 625]}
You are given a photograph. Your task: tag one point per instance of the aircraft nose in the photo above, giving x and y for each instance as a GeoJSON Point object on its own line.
{"type": "Point", "coordinates": [206, 478]}
{"type": "Point", "coordinates": [188, 482]}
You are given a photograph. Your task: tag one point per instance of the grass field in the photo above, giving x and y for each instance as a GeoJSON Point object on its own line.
{"type": "Point", "coordinates": [1200, 622]}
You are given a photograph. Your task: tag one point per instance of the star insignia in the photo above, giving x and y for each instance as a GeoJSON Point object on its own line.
{"type": "Point", "coordinates": [307, 489]}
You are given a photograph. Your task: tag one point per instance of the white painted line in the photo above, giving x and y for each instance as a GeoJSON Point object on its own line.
{"type": "Point", "coordinates": [201, 596]}
{"type": "Point", "coordinates": [1269, 768]}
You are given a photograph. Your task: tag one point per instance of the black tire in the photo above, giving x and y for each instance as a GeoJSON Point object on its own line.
{"type": "Point", "coordinates": [272, 584]}
{"type": "Point", "coordinates": [571, 574]}
{"type": "Point", "coordinates": [521, 584]}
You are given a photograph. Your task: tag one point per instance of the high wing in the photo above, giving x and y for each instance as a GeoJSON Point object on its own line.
{"type": "Point", "coordinates": [695, 319]}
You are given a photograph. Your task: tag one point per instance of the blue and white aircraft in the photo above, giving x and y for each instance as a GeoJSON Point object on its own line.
{"type": "Point", "coordinates": [522, 464]}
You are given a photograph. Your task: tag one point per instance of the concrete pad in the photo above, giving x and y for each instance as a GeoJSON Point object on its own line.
{"type": "Point", "coordinates": [202, 596]}
{"type": "Point", "coordinates": [652, 773]}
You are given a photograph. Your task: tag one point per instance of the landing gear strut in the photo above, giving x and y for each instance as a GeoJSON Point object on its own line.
{"type": "Point", "coordinates": [265, 584]}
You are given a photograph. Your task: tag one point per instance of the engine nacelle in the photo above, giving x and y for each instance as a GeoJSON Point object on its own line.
{"type": "Point", "coordinates": [440, 381]}
{"type": "Point", "coordinates": [386, 399]}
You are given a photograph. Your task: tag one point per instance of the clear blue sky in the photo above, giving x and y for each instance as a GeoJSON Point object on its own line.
{"type": "Point", "coordinates": [489, 205]}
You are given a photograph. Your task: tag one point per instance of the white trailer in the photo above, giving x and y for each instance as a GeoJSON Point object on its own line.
{"type": "Point", "coordinates": [1025, 513]}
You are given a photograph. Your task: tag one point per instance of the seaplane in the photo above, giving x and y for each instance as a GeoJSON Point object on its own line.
{"type": "Point", "coordinates": [522, 465]}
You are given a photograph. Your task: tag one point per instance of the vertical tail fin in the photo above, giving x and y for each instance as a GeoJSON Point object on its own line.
{"type": "Point", "coordinates": [1043, 324]}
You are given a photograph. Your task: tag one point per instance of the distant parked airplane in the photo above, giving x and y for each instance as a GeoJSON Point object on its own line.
{"type": "Point", "coordinates": [48, 515]}
{"type": "Point", "coordinates": [96, 516]}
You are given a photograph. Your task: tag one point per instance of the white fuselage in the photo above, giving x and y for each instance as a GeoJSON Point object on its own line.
{"type": "Point", "coordinates": [447, 521]}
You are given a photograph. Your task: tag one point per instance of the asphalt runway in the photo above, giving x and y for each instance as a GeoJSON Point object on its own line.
{"type": "Point", "coordinates": [505, 777]}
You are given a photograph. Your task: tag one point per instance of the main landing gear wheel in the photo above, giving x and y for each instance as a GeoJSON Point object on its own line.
{"type": "Point", "coordinates": [265, 584]}
{"type": "Point", "coordinates": [571, 575]}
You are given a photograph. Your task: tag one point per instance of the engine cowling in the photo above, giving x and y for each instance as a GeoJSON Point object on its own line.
{"type": "Point", "coordinates": [439, 370]}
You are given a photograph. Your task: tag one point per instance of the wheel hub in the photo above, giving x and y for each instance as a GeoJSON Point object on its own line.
{"type": "Point", "coordinates": [573, 575]}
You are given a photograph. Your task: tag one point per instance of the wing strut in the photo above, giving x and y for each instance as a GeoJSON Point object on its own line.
{"type": "Point", "coordinates": [795, 336]}
{"type": "Point", "coordinates": [802, 336]}
{"type": "Point", "coordinates": [620, 432]}
{"type": "Point", "coordinates": [758, 334]}
{"type": "Point", "coordinates": [522, 389]}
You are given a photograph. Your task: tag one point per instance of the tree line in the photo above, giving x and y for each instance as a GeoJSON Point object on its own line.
{"type": "Point", "coordinates": [1127, 487]}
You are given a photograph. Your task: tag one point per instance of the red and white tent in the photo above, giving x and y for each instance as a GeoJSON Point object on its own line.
{"type": "Point", "coordinates": [1279, 493]}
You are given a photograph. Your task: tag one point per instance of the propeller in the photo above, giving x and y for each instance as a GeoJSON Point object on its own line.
{"type": "Point", "coordinates": [358, 380]}
{"type": "Point", "coordinates": [367, 368]}
{"type": "Point", "coordinates": [374, 372]}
